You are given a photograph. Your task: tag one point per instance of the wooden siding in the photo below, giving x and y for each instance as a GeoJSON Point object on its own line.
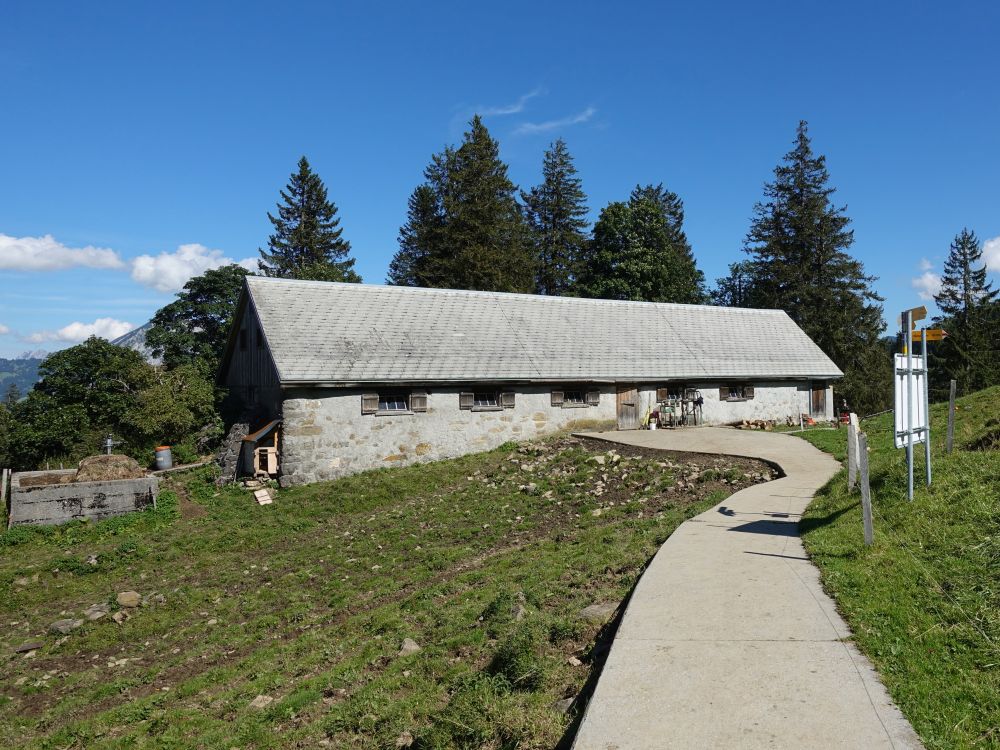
{"type": "Point", "coordinates": [252, 365]}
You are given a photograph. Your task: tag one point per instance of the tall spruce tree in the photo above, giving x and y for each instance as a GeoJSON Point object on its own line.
{"type": "Point", "coordinates": [307, 241]}
{"type": "Point", "coordinates": [639, 252]}
{"type": "Point", "coordinates": [798, 242]}
{"type": "Point", "coordinates": [464, 228]}
{"type": "Point", "coordinates": [734, 290]}
{"type": "Point", "coordinates": [968, 305]}
{"type": "Point", "coordinates": [556, 212]}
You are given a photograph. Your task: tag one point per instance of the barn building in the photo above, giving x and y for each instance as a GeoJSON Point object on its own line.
{"type": "Point", "coordinates": [363, 376]}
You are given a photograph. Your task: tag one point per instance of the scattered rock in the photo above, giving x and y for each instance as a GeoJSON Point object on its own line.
{"type": "Point", "coordinates": [26, 580]}
{"type": "Point", "coordinates": [574, 662]}
{"type": "Point", "coordinates": [96, 611]}
{"type": "Point", "coordinates": [409, 646]}
{"type": "Point", "coordinates": [519, 611]}
{"type": "Point", "coordinates": [64, 627]}
{"type": "Point", "coordinates": [120, 616]}
{"type": "Point", "coordinates": [598, 612]}
{"type": "Point", "coordinates": [129, 599]}
{"type": "Point", "coordinates": [213, 621]}
{"type": "Point", "coordinates": [596, 511]}
{"type": "Point", "coordinates": [404, 740]}
{"type": "Point", "coordinates": [91, 559]}
{"type": "Point", "coordinates": [29, 646]}
{"type": "Point", "coordinates": [261, 701]}
{"type": "Point", "coordinates": [599, 460]}
{"type": "Point", "coordinates": [564, 705]}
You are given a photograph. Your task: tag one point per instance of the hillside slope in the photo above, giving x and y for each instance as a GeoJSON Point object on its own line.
{"type": "Point", "coordinates": [924, 600]}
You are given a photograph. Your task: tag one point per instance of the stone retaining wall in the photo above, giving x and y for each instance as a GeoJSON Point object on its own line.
{"type": "Point", "coordinates": [49, 504]}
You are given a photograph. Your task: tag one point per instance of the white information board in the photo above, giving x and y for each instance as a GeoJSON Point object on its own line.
{"type": "Point", "coordinates": [902, 411]}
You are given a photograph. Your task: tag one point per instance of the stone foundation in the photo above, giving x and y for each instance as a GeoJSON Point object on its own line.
{"type": "Point", "coordinates": [58, 501]}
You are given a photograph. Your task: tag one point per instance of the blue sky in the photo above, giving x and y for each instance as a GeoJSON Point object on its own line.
{"type": "Point", "coordinates": [141, 143]}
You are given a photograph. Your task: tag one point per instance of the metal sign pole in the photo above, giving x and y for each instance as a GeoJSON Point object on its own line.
{"type": "Point", "coordinates": [927, 410]}
{"type": "Point", "coordinates": [908, 323]}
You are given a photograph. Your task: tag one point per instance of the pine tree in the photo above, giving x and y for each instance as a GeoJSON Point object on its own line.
{"type": "Point", "coordinates": [464, 227]}
{"type": "Point", "coordinates": [968, 303]}
{"type": "Point", "coordinates": [735, 289]}
{"type": "Point", "coordinates": [12, 396]}
{"type": "Point", "coordinates": [639, 252]}
{"type": "Point", "coordinates": [307, 242]}
{"type": "Point", "coordinates": [798, 243]}
{"type": "Point", "coordinates": [556, 213]}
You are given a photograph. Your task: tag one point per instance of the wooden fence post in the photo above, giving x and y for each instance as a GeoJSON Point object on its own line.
{"type": "Point", "coordinates": [951, 418]}
{"type": "Point", "coordinates": [852, 457]}
{"type": "Point", "coordinates": [4, 474]}
{"type": "Point", "coordinates": [866, 494]}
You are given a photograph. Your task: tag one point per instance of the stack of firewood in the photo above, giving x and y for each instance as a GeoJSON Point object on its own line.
{"type": "Point", "coordinates": [756, 424]}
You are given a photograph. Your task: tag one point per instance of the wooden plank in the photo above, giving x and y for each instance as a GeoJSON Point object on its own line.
{"type": "Point", "coordinates": [949, 442]}
{"type": "Point", "coordinates": [4, 474]}
{"type": "Point", "coordinates": [866, 493]}
{"type": "Point", "coordinates": [628, 407]}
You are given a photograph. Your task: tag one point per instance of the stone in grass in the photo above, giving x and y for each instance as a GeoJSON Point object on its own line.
{"type": "Point", "coordinates": [261, 701]}
{"type": "Point", "coordinates": [96, 611]}
{"type": "Point", "coordinates": [564, 705]}
{"type": "Point", "coordinates": [64, 627]}
{"type": "Point", "coordinates": [598, 612]}
{"type": "Point", "coordinates": [29, 646]}
{"type": "Point", "coordinates": [409, 646]}
{"type": "Point", "coordinates": [404, 740]}
{"type": "Point", "coordinates": [129, 599]}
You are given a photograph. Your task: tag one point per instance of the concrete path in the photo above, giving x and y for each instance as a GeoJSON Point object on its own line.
{"type": "Point", "coordinates": [729, 640]}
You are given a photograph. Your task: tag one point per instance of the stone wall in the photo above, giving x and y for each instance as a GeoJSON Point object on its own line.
{"type": "Point", "coordinates": [325, 435]}
{"type": "Point", "coordinates": [48, 504]}
{"type": "Point", "coordinates": [772, 400]}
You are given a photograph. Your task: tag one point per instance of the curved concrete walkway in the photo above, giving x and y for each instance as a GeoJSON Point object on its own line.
{"type": "Point", "coordinates": [729, 640]}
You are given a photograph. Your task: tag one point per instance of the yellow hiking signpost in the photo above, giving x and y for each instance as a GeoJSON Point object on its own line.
{"type": "Point", "coordinates": [931, 334]}
{"type": "Point", "coordinates": [912, 420]}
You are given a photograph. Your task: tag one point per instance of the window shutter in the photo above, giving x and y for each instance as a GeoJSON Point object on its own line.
{"type": "Point", "coordinates": [557, 398]}
{"type": "Point", "coordinates": [662, 394]}
{"type": "Point", "coordinates": [418, 401]}
{"type": "Point", "coordinates": [369, 403]}
{"type": "Point", "coordinates": [723, 393]}
{"type": "Point", "coordinates": [593, 398]}
{"type": "Point", "coordinates": [466, 400]}
{"type": "Point", "coordinates": [748, 392]}
{"type": "Point", "coordinates": [507, 399]}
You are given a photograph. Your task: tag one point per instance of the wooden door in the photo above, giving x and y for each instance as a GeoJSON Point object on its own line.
{"type": "Point", "coordinates": [819, 399]}
{"type": "Point", "coordinates": [628, 407]}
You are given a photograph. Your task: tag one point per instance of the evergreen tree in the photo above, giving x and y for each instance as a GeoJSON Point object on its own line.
{"type": "Point", "coordinates": [798, 243]}
{"type": "Point", "coordinates": [968, 305]}
{"type": "Point", "coordinates": [464, 227]}
{"type": "Point", "coordinates": [307, 242]}
{"type": "Point", "coordinates": [12, 396]}
{"type": "Point", "coordinates": [639, 252]}
{"type": "Point", "coordinates": [556, 212]}
{"type": "Point", "coordinates": [735, 289]}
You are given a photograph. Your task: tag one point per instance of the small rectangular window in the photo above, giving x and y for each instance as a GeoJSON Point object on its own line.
{"type": "Point", "coordinates": [466, 400]}
{"type": "Point", "coordinates": [418, 401]}
{"type": "Point", "coordinates": [736, 392]}
{"type": "Point", "coordinates": [393, 402]}
{"type": "Point", "coordinates": [574, 398]}
{"type": "Point", "coordinates": [593, 398]}
{"type": "Point", "coordinates": [486, 400]}
{"type": "Point", "coordinates": [507, 399]}
{"type": "Point", "coordinates": [557, 398]}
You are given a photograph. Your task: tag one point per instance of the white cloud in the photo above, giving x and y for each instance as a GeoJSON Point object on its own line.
{"type": "Point", "coordinates": [530, 128]}
{"type": "Point", "coordinates": [927, 284]}
{"type": "Point", "coordinates": [991, 254]}
{"type": "Point", "coordinates": [511, 109]}
{"type": "Point", "coordinates": [250, 264]}
{"type": "Point", "coordinates": [47, 254]}
{"type": "Point", "coordinates": [925, 265]}
{"type": "Point", "coordinates": [105, 328]}
{"type": "Point", "coordinates": [4, 330]}
{"type": "Point", "coordinates": [168, 272]}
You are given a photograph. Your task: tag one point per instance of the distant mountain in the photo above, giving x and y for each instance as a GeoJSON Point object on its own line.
{"type": "Point", "coordinates": [22, 372]}
{"type": "Point", "coordinates": [136, 339]}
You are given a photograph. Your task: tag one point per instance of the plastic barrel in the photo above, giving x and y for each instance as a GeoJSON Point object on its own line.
{"type": "Point", "coordinates": [164, 459]}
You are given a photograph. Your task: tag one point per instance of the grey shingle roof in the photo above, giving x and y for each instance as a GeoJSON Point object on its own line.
{"type": "Point", "coordinates": [322, 332]}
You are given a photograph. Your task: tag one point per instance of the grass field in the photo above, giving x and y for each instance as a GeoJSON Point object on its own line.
{"type": "Point", "coordinates": [486, 562]}
{"type": "Point", "coordinates": [924, 600]}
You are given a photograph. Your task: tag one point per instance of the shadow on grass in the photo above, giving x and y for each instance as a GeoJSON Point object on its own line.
{"type": "Point", "coordinates": [815, 522]}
